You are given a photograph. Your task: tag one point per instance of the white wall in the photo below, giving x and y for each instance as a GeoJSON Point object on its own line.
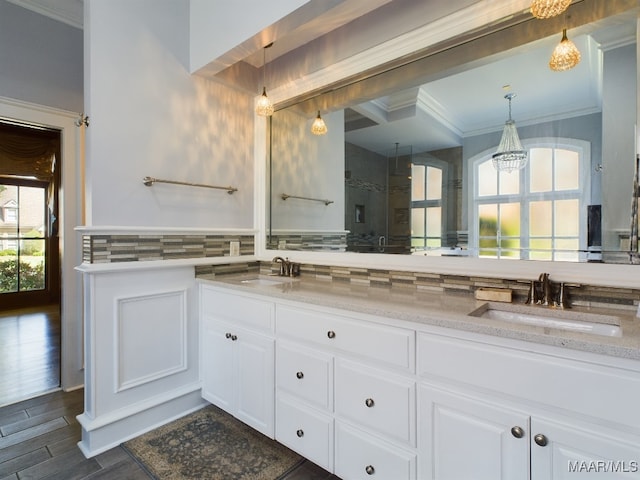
{"type": "Point", "coordinates": [310, 166]}
{"type": "Point", "coordinates": [40, 59]}
{"type": "Point", "coordinates": [150, 117]}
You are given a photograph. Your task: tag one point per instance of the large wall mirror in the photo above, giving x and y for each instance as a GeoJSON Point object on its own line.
{"type": "Point", "coordinates": [407, 164]}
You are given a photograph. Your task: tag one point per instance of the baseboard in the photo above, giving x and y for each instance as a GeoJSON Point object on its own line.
{"type": "Point", "coordinates": [100, 435]}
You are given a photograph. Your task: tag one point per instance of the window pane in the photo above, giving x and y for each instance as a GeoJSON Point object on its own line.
{"type": "Point", "coordinates": [8, 271]}
{"type": "Point", "coordinates": [510, 220]}
{"type": "Point", "coordinates": [567, 172]}
{"type": "Point", "coordinates": [434, 183]}
{"type": "Point", "coordinates": [417, 182]}
{"type": "Point", "coordinates": [487, 179]}
{"type": "Point", "coordinates": [434, 222]}
{"type": "Point", "coordinates": [434, 242]}
{"type": "Point", "coordinates": [567, 218]}
{"type": "Point", "coordinates": [541, 174]}
{"type": "Point", "coordinates": [417, 222]}
{"type": "Point", "coordinates": [9, 210]}
{"type": "Point", "coordinates": [567, 250]}
{"type": "Point", "coordinates": [510, 183]}
{"type": "Point", "coordinates": [488, 220]}
{"type": "Point", "coordinates": [540, 219]}
{"type": "Point", "coordinates": [540, 249]}
{"type": "Point", "coordinates": [31, 265]}
{"type": "Point", "coordinates": [31, 211]}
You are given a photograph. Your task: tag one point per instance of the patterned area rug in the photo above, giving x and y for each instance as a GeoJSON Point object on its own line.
{"type": "Point", "coordinates": [210, 444]}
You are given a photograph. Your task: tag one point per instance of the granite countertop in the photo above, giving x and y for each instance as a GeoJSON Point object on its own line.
{"type": "Point", "coordinates": [419, 307]}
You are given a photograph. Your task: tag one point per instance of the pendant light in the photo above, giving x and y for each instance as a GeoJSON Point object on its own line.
{"type": "Point", "coordinates": [565, 56]}
{"type": "Point", "coordinates": [510, 154]}
{"type": "Point", "coordinates": [548, 8]}
{"type": "Point", "coordinates": [264, 107]}
{"type": "Point", "coordinates": [318, 127]}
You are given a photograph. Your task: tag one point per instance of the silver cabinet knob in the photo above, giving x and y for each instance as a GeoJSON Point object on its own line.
{"type": "Point", "coordinates": [300, 433]}
{"type": "Point", "coordinates": [227, 335]}
{"type": "Point", "coordinates": [300, 375]}
{"type": "Point", "coordinates": [541, 440]}
{"type": "Point", "coordinates": [369, 469]}
{"type": "Point", "coordinates": [517, 432]}
{"type": "Point", "coordinates": [234, 338]}
{"type": "Point", "coordinates": [331, 334]}
{"type": "Point", "coordinates": [369, 402]}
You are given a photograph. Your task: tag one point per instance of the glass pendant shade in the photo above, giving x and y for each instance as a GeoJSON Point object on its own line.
{"type": "Point", "coordinates": [510, 155]}
{"type": "Point", "coordinates": [318, 127]}
{"type": "Point", "coordinates": [548, 8]}
{"type": "Point", "coordinates": [264, 107]}
{"type": "Point", "coordinates": [565, 56]}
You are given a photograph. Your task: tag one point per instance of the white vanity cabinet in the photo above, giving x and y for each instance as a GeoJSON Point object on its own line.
{"type": "Point", "coordinates": [346, 392]}
{"type": "Point", "coordinates": [237, 356]}
{"type": "Point", "coordinates": [493, 412]}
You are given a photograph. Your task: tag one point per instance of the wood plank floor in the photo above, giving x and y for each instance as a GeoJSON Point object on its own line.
{"type": "Point", "coordinates": [39, 436]}
{"type": "Point", "coordinates": [39, 431]}
{"type": "Point", "coordinates": [29, 352]}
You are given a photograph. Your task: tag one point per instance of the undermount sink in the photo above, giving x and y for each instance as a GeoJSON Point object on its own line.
{"type": "Point", "coordinates": [265, 281]}
{"type": "Point", "coordinates": [595, 324]}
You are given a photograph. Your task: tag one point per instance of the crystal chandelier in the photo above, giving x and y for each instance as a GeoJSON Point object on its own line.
{"type": "Point", "coordinates": [318, 127]}
{"type": "Point", "coordinates": [510, 154]}
{"type": "Point", "coordinates": [548, 8]}
{"type": "Point", "coordinates": [565, 56]}
{"type": "Point", "coordinates": [264, 107]}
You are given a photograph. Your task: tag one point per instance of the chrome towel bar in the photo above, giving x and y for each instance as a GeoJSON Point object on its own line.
{"type": "Point", "coordinates": [149, 181]}
{"type": "Point", "coordinates": [325, 201]}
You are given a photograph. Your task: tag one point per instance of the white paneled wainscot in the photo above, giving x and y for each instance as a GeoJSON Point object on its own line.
{"type": "Point", "coordinates": [141, 344]}
{"type": "Point", "coordinates": [367, 396]}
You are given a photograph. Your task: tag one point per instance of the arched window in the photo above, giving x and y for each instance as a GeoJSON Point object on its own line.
{"type": "Point", "coordinates": [539, 212]}
{"type": "Point", "coordinates": [428, 206]}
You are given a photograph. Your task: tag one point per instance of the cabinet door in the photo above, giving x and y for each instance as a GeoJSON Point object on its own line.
{"type": "Point", "coordinates": [566, 452]}
{"type": "Point", "coordinates": [255, 382]}
{"type": "Point", "coordinates": [216, 367]}
{"type": "Point", "coordinates": [461, 437]}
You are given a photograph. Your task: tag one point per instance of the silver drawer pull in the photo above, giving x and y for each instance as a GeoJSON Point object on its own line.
{"type": "Point", "coordinates": [331, 334]}
{"type": "Point", "coordinates": [369, 469]}
{"type": "Point", "coordinates": [300, 375]}
{"type": "Point", "coordinates": [300, 433]}
{"type": "Point", "coordinates": [517, 432]}
{"type": "Point", "coordinates": [369, 402]}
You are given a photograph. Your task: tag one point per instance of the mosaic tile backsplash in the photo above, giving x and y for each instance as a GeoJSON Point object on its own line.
{"type": "Point", "coordinates": [586, 295]}
{"type": "Point", "coordinates": [138, 248]}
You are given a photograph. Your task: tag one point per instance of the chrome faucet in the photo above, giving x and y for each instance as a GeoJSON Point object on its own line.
{"type": "Point", "coordinates": [284, 266]}
{"type": "Point", "coordinates": [287, 268]}
{"type": "Point", "coordinates": [542, 292]}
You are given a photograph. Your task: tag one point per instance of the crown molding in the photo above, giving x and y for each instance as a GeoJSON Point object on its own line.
{"type": "Point", "coordinates": [70, 12]}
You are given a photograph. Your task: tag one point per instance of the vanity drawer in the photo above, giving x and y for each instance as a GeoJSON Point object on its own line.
{"type": "Point", "coordinates": [376, 400]}
{"type": "Point", "coordinates": [389, 345]}
{"type": "Point", "coordinates": [361, 457]}
{"type": "Point", "coordinates": [306, 373]}
{"type": "Point", "coordinates": [306, 431]}
{"type": "Point", "coordinates": [537, 377]}
{"type": "Point", "coordinates": [237, 309]}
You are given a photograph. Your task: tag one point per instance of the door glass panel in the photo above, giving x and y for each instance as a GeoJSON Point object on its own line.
{"type": "Point", "coordinates": [22, 238]}
{"type": "Point", "coordinates": [434, 222]}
